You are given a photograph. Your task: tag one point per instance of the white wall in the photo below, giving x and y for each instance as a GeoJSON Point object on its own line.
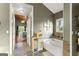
{"type": "Point", "coordinates": [4, 26]}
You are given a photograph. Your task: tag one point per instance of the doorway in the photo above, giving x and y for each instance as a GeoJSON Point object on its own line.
{"type": "Point", "coordinates": [21, 18]}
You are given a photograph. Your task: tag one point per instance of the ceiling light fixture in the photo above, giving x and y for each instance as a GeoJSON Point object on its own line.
{"type": "Point", "coordinates": [22, 21]}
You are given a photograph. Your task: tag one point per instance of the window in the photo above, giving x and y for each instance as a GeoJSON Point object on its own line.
{"type": "Point", "coordinates": [21, 29]}
{"type": "Point", "coordinates": [59, 25]}
{"type": "Point", "coordinates": [48, 27]}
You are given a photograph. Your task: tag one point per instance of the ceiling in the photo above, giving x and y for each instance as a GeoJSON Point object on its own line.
{"type": "Point", "coordinates": [21, 8]}
{"type": "Point", "coordinates": [54, 7]}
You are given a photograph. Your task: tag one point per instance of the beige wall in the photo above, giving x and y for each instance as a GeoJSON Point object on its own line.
{"type": "Point", "coordinates": [66, 46]}
{"type": "Point", "coordinates": [41, 14]}
{"type": "Point", "coordinates": [67, 22]}
{"type": "Point", "coordinates": [4, 26]}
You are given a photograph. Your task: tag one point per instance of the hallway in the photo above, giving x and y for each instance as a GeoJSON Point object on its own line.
{"type": "Point", "coordinates": [23, 50]}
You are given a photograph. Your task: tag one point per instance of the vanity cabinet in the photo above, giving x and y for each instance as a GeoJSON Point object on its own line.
{"type": "Point", "coordinates": [54, 46]}
{"type": "Point", "coordinates": [37, 44]}
{"type": "Point", "coordinates": [40, 44]}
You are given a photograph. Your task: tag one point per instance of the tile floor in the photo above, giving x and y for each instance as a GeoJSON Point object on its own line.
{"type": "Point", "coordinates": [25, 50]}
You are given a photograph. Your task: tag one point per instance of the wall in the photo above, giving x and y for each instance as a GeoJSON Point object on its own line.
{"type": "Point", "coordinates": [41, 14]}
{"type": "Point", "coordinates": [4, 26]}
{"type": "Point", "coordinates": [67, 22]}
{"type": "Point", "coordinates": [59, 15]}
{"type": "Point", "coordinates": [75, 9]}
{"type": "Point", "coordinates": [66, 28]}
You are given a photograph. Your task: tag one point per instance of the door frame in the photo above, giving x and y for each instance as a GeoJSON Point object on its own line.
{"type": "Point", "coordinates": [12, 30]}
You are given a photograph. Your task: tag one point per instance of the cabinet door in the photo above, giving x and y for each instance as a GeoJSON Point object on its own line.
{"type": "Point", "coordinates": [40, 44]}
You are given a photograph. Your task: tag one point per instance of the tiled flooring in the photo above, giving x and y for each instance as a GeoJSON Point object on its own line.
{"type": "Point", "coordinates": [46, 53]}
{"type": "Point", "coordinates": [25, 50]}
